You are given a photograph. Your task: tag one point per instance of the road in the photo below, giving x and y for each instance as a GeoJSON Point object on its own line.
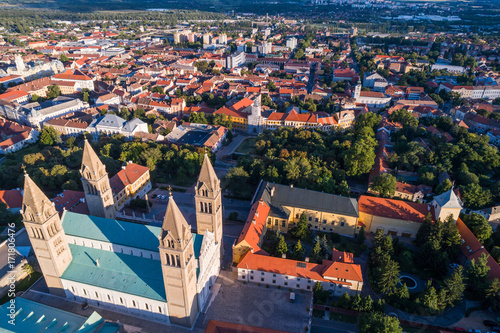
{"type": "Point", "coordinates": [312, 74]}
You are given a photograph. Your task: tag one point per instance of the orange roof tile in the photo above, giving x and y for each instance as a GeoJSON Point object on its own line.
{"type": "Point", "coordinates": [394, 209]}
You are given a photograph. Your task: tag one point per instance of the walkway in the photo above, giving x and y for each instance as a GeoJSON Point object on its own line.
{"type": "Point", "coordinates": [229, 149]}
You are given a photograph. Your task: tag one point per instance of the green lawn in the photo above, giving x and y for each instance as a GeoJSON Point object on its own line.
{"type": "Point", "coordinates": [23, 285]}
{"type": "Point", "coordinates": [247, 146]}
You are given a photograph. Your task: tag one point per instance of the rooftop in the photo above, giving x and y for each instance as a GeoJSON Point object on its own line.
{"type": "Point", "coordinates": [284, 195]}
{"type": "Point", "coordinates": [34, 317]}
{"type": "Point", "coordinates": [116, 271]}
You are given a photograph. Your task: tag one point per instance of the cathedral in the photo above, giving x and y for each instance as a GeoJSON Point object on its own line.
{"type": "Point", "coordinates": [159, 273]}
{"type": "Point", "coordinates": [38, 71]}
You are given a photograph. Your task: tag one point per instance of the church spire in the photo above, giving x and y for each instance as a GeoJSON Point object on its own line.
{"type": "Point", "coordinates": [95, 181]}
{"type": "Point", "coordinates": [91, 162]}
{"type": "Point", "coordinates": [174, 224]}
{"type": "Point", "coordinates": [208, 175]}
{"type": "Point", "coordinates": [36, 206]}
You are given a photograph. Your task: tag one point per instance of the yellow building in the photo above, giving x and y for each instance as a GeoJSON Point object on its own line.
{"type": "Point", "coordinates": [133, 181]}
{"type": "Point", "coordinates": [325, 212]}
{"type": "Point", "coordinates": [393, 217]}
{"type": "Point", "coordinates": [239, 120]}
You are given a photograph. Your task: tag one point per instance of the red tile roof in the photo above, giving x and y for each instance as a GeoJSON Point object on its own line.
{"type": "Point", "coordinates": [127, 176]}
{"type": "Point", "coordinates": [394, 209]}
{"type": "Point", "coordinates": [253, 230]}
{"type": "Point", "coordinates": [472, 249]}
{"type": "Point", "coordinates": [12, 198]}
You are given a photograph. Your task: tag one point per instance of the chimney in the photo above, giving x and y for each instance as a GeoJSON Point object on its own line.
{"type": "Point", "coordinates": [291, 185]}
{"type": "Point", "coordinates": [272, 191]}
{"type": "Point", "coordinates": [256, 214]}
{"type": "Point", "coordinates": [306, 259]}
{"type": "Point", "coordinates": [283, 256]}
{"type": "Point", "coordinates": [253, 221]}
{"type": "Point", "coordinates": [97, 262]}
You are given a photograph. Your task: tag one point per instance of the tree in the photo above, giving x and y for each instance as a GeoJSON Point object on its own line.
{"type": "Point", "coordinates": [316, 251]}
{"type": "Point", "coordinates": [301, 230]}
{"type": "Point", "coordinates": [404, 117]}
{"type": "Point", "coordinates": [387, 276]}
{"type": "Point", "coordinates": [54, 91]}
{"type": "Point", "coordinates": [376, 322]}
{"type": "Point", "coordinates": [49, 136]}
{"type": "Point", "coordinates": [85, 95]}
{"type": "Point", "coordinates": [445, 186]}
{"type": "Point", "coordinates": [28, 269]}
{"type": "Point", "coordinates": [359, 158]}
{"type": "Point", "coordinates": [454, 287]}
{"type": "Point", "coordinates": [157, 89]}
{"type": "Point", "coordinates": [64, 58]}
{"type": "Point", "coordinates": [475, 197]}
{"type": "Point", "coordinates": [271, 86]}
{"type": "Point", "coordinates": [425, 230]}
{"type": "Point", "coordinates": [369, 119]}
{"type": "Point", "coordinates": [384, 184]}
{"type": "Point", "coordinates": [298, 251]}
{"type": "Point", "coordinates": [479, 226]}
{"type": "Point", "coordinates": [361, 235]}
{"type": "Point", "coordinates": [237, 181]}
{"type": "Point", "coordinates": [429, 299]}
{"type": "Point", "coordinates": [70, 141]}
{"type": "Point", "coordinates": [402, 293]}
{"type": "Point", "coordinates": [281, 247]}
{"type": "Point", "coordinates": [477, 274]}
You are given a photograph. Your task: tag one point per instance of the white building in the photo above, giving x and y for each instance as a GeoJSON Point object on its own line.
{"type": "Point", "coordinates": [35, 117]}
{"type": "Point", "coordinates": [291, 43]}
{"type": "Point", "coordinates": [37, 71]}
{"type": "Point", "coordinates": [235, 60]}
{"type": "Point", "coordinates": [111, 124]}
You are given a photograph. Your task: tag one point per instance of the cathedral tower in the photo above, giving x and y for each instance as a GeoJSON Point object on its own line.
{"type": "Point", "coordinates": [178, 265]}
{"type": "Point", "coordinates": [46, 235]}
{"type": "Point", "coordinates": [98, 194]}
{"type": "Point", "coordinates": [208, 201]}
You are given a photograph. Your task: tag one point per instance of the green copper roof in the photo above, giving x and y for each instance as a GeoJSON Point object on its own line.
{"type": "Point", "coordinates": [118, 232]}
{"type": "Point", "coordinates": [112, 231]}
{"type": "Point", "coordinates": [120, 272]}
{"type": "Point", "coordinates": [33, 317]}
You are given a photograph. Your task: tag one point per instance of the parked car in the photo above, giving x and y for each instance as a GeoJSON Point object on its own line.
{"type": "Point", "coordinates": [154, 196]}
{"type": "Point", "coordinates": [474, 330]}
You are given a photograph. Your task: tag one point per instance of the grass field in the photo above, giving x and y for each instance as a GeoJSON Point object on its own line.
{"type": "Point", "coordinates": [247, 146]}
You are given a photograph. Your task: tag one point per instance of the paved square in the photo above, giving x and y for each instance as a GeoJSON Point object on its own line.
{"type": "Point", "coordinates": [254, 305]}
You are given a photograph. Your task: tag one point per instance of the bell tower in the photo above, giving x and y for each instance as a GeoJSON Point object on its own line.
{"type": "Point", "coordinates": [178, 265]}
{"type": "Point", "coordinates": [208, 201]}
{"type": "Point", "coordinates": [46, 235]}
{"type": "Point", "coordinates": [357, 90]}
{"type": "Point", "coordinates": [95, 181]}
